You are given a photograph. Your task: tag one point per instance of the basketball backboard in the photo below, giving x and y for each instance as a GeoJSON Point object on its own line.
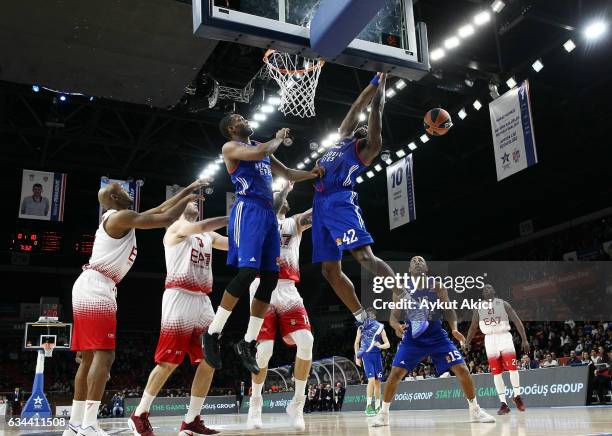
{"type": "Point", "coordinates": [391, 42]}
{"type": "Point", "coordinates": [37, 333]}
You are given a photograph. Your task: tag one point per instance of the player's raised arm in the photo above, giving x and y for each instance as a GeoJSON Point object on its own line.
{"type": "Point", "coordinates": [235, 151]}
{"type": "Point", "coordinates": [471, 330]}
{"type": "Point", "coordinates": [304, 220]}
{"type": "Point", "coordinates": [279, 199]}
{"type": "Point", "coordinates": [279, 169]}
{"type": "Point", "coordinates": [198, 184]}
{"type": "Point", "coordinates": [373, 143]}
{"type": "Point", "coordinates": [219, 242]}
{"type": "Point", "coordinates": [184, 228]}
{"type": "Point", "coordinates": [519, 326]}
{"type": "Point", "coordinates": [450, 315]}
{"type": "Point", "coordinates": [352, 117]}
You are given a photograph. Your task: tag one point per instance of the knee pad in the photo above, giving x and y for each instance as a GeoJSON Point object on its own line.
{"type": "Point", "coordinates": [303, 340]}
{"type": "Point", "coordinates": [264, 353]}
{"type": "Point", "coordinates": [267, 283]}
{"type": "Point", "coordinates": [241, 282]}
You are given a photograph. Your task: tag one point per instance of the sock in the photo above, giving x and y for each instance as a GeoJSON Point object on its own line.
{"type": "Point", "coordinates": [78, 410]}
{"type": "Point", "coordinates": [498, 380]}
{"type": "Point", "coordinates": [195, 406]}
{"type": "Point", "coordinates": [300, 388]}
{"type": "Point", "coordinates": [385, 407]}
{"type": "Point", "coordinates": [380, 402]}
{"type": "Point", "coordinates": [145, 404]}
{"type": "Point", "coordinates": [472, 403]}
{"type": "Point", "coordinates": [360, 315]}
{"type": "Point", "coordinates": [91, 414]}
{"type": "Point", "coordinates": [253, 328]}
{"type": "Point", "coordinates": [516, 384]}
{"type": "Point", "coordinates": [218, 322]}
{"type": "Point", "coordinates": [368, 401]}
{"type": "Point", "coordinates": [256, 389]}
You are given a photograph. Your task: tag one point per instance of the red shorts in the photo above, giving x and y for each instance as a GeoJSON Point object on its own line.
{"type": "Point", "coordinates": [500, 353]}
{"type": "Point", "coordinates": [185, 316]}
{"type": "Point", "coordinates": [94, 312]}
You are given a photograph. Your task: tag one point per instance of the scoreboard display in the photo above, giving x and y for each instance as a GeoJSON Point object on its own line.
{"type": "Point", "coordinates": [25, 242]}
{"type": "Point", "coordinates": [49, 242]}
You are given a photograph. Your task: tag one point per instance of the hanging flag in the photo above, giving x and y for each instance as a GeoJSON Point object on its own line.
{"type": "Point", "coordinates": [42, 195]}
{"type": "Point", "coordinates": [400, 192]}
{"type": "Point", "coordinates": [172, 190]}
{"type": "Point", "coordinates": [512, 128]}
{"type": "Point", "coordinates": [131, 186]}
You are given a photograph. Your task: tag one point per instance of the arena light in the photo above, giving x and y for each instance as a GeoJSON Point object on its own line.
{"type": "Point", "coordinates": [259, 117]}
{"type": "Point", "coordinates": [477, 105]}
{"type": "Point", "coordinates": [482, 18]}
{"type": "Point", "coordinates": [537, 66]}
{"type": "Point", "coordinates": [267, 109]}
{"type": "Point", "coordinates": [334, 137]}
{"type": "Point", "coordinates": [359, 179]}
{"type": "Point", "coordinates": [326, 143]}
{"type": "Point", "coordinates": [400, 153]}
{"type": "Point", "coordinates": [254, 124]}
{"type": "Point", "coordinates": [369, 108]}
{"type": "Point", "coordinates": [321, 150]}
{"type": "Point", "coordinates": [274, 100]}
{"type": "Point", "coordinates": [498, 6]}
{"type": "Point", "coordinates": [300, 166]}
{"type": "Point", "coordinates": [62, 97]}
{"type": "Point", "coordinates": [511, 82]}
{"type": "Point", "coordinates": [462, 114]}
{"type": "Point", "coordinates": [400, 84]}
{"type": "Point", "coordinates": [451, 43]}
{"type": "Point", "coordinates": [595, 30]}
{"type": "Point", "coordinates": [569, 46]}
{"type": "Point", "coordinates": [466, 31]}
{"type": "Point", "coordinates": [370, 174]}
{"type": "Point", "coordinates": [412, 146]}
{"type": "Point", "coordinates": [35, 88]}
{"type": "Point", "coordinates": [388, 161]}
{"type": "Point", "coordinates": [362, 117]}
{"type": "Point", "coordinates": [424, 138]}
{"type": "Point", "coordinates": [391, 93]}
{"type": "Point", "coordinates": [314, 155]}
{"type": "Point", "coordinates": [378, 168]}
{"type": "Point", "coordinates": [437, 54]}
{"type": "Point", "coordinates": [307, 161]}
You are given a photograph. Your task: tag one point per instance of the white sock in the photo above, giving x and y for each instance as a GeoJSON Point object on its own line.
{"type": "Point", "coordinates": [78, 410]}
{"type": "Point", "coordinates": [91, 414]}
{"type": "Point", "coordinates": [253, 328]}
{"type": "Point", "coordinates": [195, 407]}
{"type": "Point", "coordinates": [360, 315]}
{"type": "Point", "coordinates": [498, 380]}
{"type": "Point", "coordinates": [385, 407]}
{"type": "Point", "coordinates": [368, 401]}
{"type": "Point", "coordinates": [472, 403]}
{"type": "Point", "coordinates": [218, 322]}
{"type": "Point", "coordinates": [145, 403]}
{"type": "Point", "coordinates": [256, 389]}
{"type": "Point", "coordinates": [516, 384]}
{"type": "Point", "coordinates": [300, 389]}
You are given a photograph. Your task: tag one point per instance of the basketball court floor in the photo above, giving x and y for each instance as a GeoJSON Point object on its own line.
{"type": "Point", "coordinates": [538, 421]}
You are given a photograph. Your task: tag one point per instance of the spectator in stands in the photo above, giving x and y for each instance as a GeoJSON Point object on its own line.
{"type": "Point", "coordinates": [240, 391]}
{"type": "Point", "coordinates": [595, 358]}
{"type": "Point", "coordinates": [310, 398]}
{"type": "Point", "coordinates": [319, 397]}
{"type": "Point", "coordinates": [549, 361]}
{"type": "Point", "coordinates": [118, 406]}
{"type": "Point", "coordinates": [579, 347]}
{"type": "Point", "coordinates": [328, 396]}
{"type": "Point", "coordinates": [586, 358]}
{"type": "Point", "coordinates": [601, 383]}
{"type": "Point", "coordinates": [573, 360]}
{"type": "Point", "coordinates": [339, 392]}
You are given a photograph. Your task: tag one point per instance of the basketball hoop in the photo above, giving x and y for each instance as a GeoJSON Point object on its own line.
{"type": "Point", "coordinates": [297, 78]}
{"type": "Point", "coordinates": [48, 347]}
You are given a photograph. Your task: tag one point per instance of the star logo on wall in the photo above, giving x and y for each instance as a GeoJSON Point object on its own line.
{"type": "Point", "coordinates": [38, 401]}
{"type": "Point", "coordinates": [505, 158]}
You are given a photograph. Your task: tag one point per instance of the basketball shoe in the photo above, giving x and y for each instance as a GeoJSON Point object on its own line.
{"type": "Point", "coordinates": [72, 430]}
{"type": "Point", "coordinates": [503, 409]}
{"type": "Point", "coordinates": [195, 428]}
{"type": "Point", "coordinates": [295, 410]}
{"type": "Point", "coordinates": [479, 415]}
{"type": "Point", "coordinates": [92, 431]}
{"type": "Point", "coordinates": [381, 420]}
{"type": "Point", "coordinates": [140, 425]}
{"type": "Point", "coordinates": [519, 403]}
{"type": "Point", "coordinates": [247, 351]}
{"type": "Point", "coordinates": [254, 417]}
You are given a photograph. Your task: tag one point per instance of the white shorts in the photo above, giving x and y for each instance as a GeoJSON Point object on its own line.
{"type": "Point", "coordinates": [497, 344]}
{"type": "Point", "coordinates": [285, 297]}
{"type": "Point", "coordinates": [185, 316]}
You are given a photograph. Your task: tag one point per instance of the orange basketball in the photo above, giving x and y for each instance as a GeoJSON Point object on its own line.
{"type": "Point", "coordinates": [437, 122]}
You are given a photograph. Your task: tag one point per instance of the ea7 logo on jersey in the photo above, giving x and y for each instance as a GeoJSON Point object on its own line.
{"type": "Point", "coordinates": [200, 259]}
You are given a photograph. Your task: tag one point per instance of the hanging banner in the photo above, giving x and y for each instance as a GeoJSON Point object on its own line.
{"type": "Point", "coordinates": [512, 129]}
{"type": "Point", "coordinates": [42, 195]}
{"type": "Point", "coordinates": [131, 186]}
{"type": "Point", "coordinates": [400, 192]}
{"type": "Point", "coordinates": [172, 190]}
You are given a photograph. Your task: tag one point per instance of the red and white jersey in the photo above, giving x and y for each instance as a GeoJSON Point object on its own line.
{"type": "Point", "coordinates": [290, 237]}
{"type": "Point", "coordinates": [189, 264]}
{"type": "Point", "coordinates": [112, 257]}
{"type": "Point", "coordinates": [495, 319]}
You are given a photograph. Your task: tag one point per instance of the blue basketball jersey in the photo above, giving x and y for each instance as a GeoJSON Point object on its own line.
{"type": "Point", "coordinates": [435, 316]}
{"type": "Point", "coordinates": [377, 338]}
{"type": "Point", "coordinates": [342, 166]}
{"type": "Point", "coordinates": [253, 178]}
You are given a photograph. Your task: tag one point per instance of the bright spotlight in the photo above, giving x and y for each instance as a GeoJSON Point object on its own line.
{"type": "Point", "coordinates": [412, 146]}
{"type": "Point", "coordinates": [537, 66]}
{"type": "Point", "coordinates": [307, 161]}
{"type": "Point", "coordinates": [595, 30]}
{"type": "Point", "coordinates": [400, 84]}
{"type": "Point", "coordinates": [400, 153]}
{"type": "Point", "coordinates": [569, 46]}
{"type": "Point", "coordinates": [497, 6]}
{"type": "Point", "coordinates": [424, 138]}
{"type": "Point", "coordinates": [254, 124]}
{"type": "Point", "coordinates": [62, 97]}
{"type": "Point", "coordinates": [370, 174]}
{"type": "Point", "coordinates": [462, 114]}
{"type": "Point", "coordinates": [300, 166]}
{"type": "Point", "coordinates": [35, 88]}
{"type": "Point", "coordinates": [314, 155]}
{"type": "Point", "coordinates": [391, 93]}
{"type": "Point", "coordinates": [334, 137]}
{"type": "Point", "coordinates": [451, 43]}
{"type": "Point", "coordinates": [477, 105]}
{"type": "Point", "coordinates": [259, 117]}
{"type": "Point", "coordinates": [267, 109]}
{"type": "Point", "coordinates": [359, 179]}
{"type": "Point", "coordinates": [437, 54]}
{"type": "Point", "coordinates": [378, 168]}
{"type": "Point", "coordinates": [511, 82]}
{"type": "Point", "coordinates": [274, 100]}
{"type": "Point", "coordinates": [467, 30]}
{"type": "Point", "coordinates": [482, 18]}
{"type": "Point", "coordinates": [362, 117]}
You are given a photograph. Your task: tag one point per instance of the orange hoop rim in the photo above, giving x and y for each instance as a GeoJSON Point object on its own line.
{"type": "Point", "coordinates": [316, 66]}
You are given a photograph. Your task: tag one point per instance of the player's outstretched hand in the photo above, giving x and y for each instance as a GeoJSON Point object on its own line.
{"type": "Point", "coordinates": [357, 361]}
{"type": "Point", "coordinates": [318, 171]}
{"type": "Point", "coordinates": [283, 133]}
{"type": "Point", "coordinates": [525, 347]}
{"type": "Point", "coordinates": [199, 183]}
{"type": "Point", "coordinates": [457, 335]}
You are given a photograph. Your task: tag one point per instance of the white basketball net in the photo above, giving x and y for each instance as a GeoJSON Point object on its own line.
{"type": "Point", "coordinates": [297, 78]}
{"type": "Point", "coordinates": [48, 347]}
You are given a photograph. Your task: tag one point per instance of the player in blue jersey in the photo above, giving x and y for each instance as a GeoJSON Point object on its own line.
{"type": "Point", "coordinates": [337, 225]}
{"type": "Point", "coordinates": [434, 342]}
{"type": "Point", "coordinates": [369, 341]}
{"type": "Point", "coordinates": [254, 241]}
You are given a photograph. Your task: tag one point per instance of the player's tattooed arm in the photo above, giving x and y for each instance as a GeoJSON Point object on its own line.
{"type": "Point", "coordinates": [519, 326]}
{"type": "Point", "coordinates": [279, 169]}
{"type": "Point", "coordinates": [352, 117]}
{"type": "Point", "coordinates": [373, 144]}
{"type": "Point", "coordinates": [304, 220]}
{"type": "Point", "coordinates": [280, 198]}
{"type": "Point", "coordinates": [197, 184]}
{"type": "Point", "coordinates": [471, 331]}
{"type": "Point", "coordinates": [450, 315]}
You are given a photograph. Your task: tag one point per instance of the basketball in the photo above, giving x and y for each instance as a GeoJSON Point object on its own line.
{"type": "Point", "coordinates": [437, 122]}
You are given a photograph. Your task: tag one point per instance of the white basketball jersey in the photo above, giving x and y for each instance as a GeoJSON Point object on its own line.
{"type": "Point", "coordinates": [189, 264]}
{"type": "Point", "coordinates": [494, 320]}
{"type": "Point", "coordinates": [112, 257]}
{"type": "Point", "coordinates": [290, 250]}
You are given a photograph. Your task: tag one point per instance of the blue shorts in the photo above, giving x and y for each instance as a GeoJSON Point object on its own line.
{"type": "Point", "coordinates": [253, 236]}
{"type": "Point", "coordinates": [438, 345]}
{"type": "Point", "coordinates": [337, 225]}
{"type": "Point", "coordinates": [372, 365]}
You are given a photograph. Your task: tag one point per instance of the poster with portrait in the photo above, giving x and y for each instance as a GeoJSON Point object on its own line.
{"type": "Point", "coordinates": [42, 195]}
{"type": "Point", "coordinates": [131, 186]}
